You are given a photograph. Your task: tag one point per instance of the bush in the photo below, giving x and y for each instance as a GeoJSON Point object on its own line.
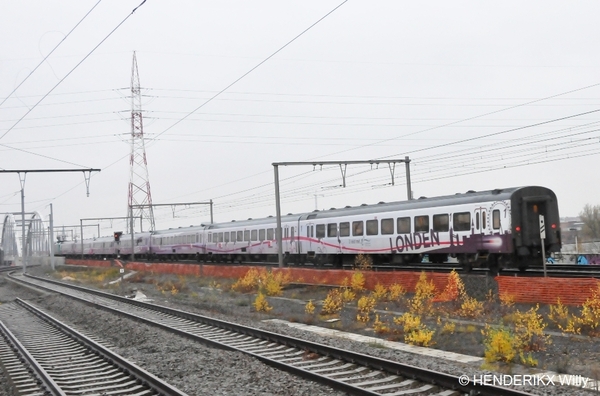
{"type": "Point", "coordinates": [415, 332]}
{"type": "Point", "coordinates": [363, 262]}
{"type": "Point", "coordinates": [499, 343]}
{"type": "Point", "coordinates": [380, 293]}
{"type": "Point", "coordinates": [309, 308]}
{"type": "Point", "coordinates": [365, 305]}
{"type": "Point", "coordinates": [424, 293]}
{"type": "Point", "coordinates": [529, 330]}
{"type": "Point", "coordinates": [397, 291]}
{"type": "Point", "coordinates": [357, 282]}
{"type": "Point", "coordinates": [261, 304]}
{"type": "Point", "coordinates": [333, 303]}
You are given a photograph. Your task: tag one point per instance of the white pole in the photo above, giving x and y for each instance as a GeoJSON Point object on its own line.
{"type": "Point", "coordinates": [51, 238]}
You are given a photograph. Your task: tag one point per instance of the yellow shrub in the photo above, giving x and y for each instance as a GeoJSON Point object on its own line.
{"type": "Point", "coordinates": [507, 300]}
{"type": "Point", "coordinates": [248, 282]}
{"type": "Point", "coordinates": [347, 295]}
{"type": "Point", "coordinates": [270, 282]}
{"type": "Point", "coordinates": [380, 292]}
{"type": "Point", "coordinates": [528, 360]}
{"type": "Point", "coordinates": [590, 312]}
{"type": "Point", "coordinates": [380, 327]}
{"type": "Point", "coordinates": [499, 344]}
{"type": "Point", "coordinates": [309, 308]}
{"type": "Point", "coordinates": [559, 314]}
{"type": "Point", "coordinates": [449, 328]}
{"type": "Point", "coordinates": [424, 293]}
{"type": "Point", "coordinates": [357, 282]}
{"type": "Point", "coordinates": [529, 330]}
{"type": "Point", "coordinates": [333, 303]}
{"type": "Point", "coordinates": [421, 337]}
{"type": "Point", "coordinates": [397, 291]}
{"type": "Point", "coordinates": [365, 305]}
{"type": "Point", "coordinates": [261, 304]}
{"type": "Point", "coordinates": [363, 262]}
{"type": "Point", "coordinates": [470, 307]}
{"type": "Point", "coordinates": [455, 288]}
{"type": "Point", "coordinates": [415, 332]}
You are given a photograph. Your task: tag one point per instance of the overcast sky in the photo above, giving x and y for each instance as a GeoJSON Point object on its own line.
{"type": "Point", "coordinates": [479, 95]}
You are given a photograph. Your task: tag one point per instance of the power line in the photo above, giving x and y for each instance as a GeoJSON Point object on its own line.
{"type": "Point", "coordinates": [72, 70]}
{"type": "Point", "coordinates": [254, 68]}
{"type": "Point", "coordinates": [50, 53]}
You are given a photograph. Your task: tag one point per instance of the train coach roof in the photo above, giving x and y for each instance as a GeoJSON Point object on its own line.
{"type": "Point", "coordinates": [447, 200]}
{"type": "Point", "coordinates": [423, 202]}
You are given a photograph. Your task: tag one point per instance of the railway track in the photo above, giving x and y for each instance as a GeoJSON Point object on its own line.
{"type": "Point", "coordinates": [351, 372]}
{"type": "Point", "coordinates": [43, 356]}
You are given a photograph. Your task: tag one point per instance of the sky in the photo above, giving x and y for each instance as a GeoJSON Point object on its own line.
{"type": "Point", "coordinates": [478, 95]}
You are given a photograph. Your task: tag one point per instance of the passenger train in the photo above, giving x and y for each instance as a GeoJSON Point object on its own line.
{"type": "Point", "coordinates": [497, 229]}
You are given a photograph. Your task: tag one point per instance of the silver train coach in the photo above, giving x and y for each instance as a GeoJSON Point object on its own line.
{"type": "Point", "coordinates": [497, 229]}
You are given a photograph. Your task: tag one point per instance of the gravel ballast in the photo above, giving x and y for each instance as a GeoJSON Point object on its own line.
{"type": "Point", "coordinates": [200, 370]}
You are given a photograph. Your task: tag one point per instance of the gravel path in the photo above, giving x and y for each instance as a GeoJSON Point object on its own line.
{"type": "Point", "coordinates": [200, 370]}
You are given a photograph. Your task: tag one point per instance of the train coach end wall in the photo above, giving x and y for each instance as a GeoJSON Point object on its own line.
{"type": "Point", "coordinates": [571, 291]}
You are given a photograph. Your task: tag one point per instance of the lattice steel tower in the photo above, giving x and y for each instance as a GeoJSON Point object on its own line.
{"type": "Point", "coordinates": [140, 199]}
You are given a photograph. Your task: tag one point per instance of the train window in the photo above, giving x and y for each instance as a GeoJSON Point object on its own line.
{"type": "Point", "coordinates": [246, 235]}
{"type": "Point", "coordinates": [387, 226]}
{"type": "Point", "coordinates": [232, 236]}
{"type": "Point", "coordinates": [461, 221]}
{"type": "Point", "coordinates": [261, 235]}
{"type": "Point", "coordinates": [292, 232]}
{"type": "Point", "coordinates": [240, 236]}
{"type": "Point", "coordinates": [477, 221]}
{"type": "Point", "coordinates": [320, 231]}
{"type": "Point", "coordinates": [286, 232]}
{"type": "Point", "coordinates": [209, 237]}
{"type": "Point", "coordinates": [332, 230]}
{"type": "Point", "coordinates": [372, 227]}
{"type": "Point", "coordinates": [357, 228]}
{"type": "Point", "coordinates": [496, 219]}
{"type": "Point", "coordinates": [254, 235]}
{"type": "Point", "coordinates": [220, 237]}
{"type": "Point", "coordinates": [441, 222]}
{"type": "Point", "coordinates": [403, 224]}
{"type": "Point", "coordinates": [483, 220]}
{"type": "Point", "coordinates": [345, 229]}
{"type": "Point", "coordinates": [421, 223]}
{"type": "Point", "coordinates": [226, 237]}
{"type": "Point", "coordinates": [270, 234]}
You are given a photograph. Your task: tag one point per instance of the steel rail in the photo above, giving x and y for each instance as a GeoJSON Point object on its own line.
{"type": "Point", "coordinates": [123, 364]}
{"type": "Point", "coordinates": [432, 377]}
{"type": "Point", "coordinates": [40, 373]}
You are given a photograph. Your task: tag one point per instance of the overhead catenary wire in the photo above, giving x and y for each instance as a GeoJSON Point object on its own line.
{"type": "Point", "coordinates": [252, 69]}
{"type": "Point", "coordinates": [48, 55]}
{"type": "Point", "coordinates": [71, 71]}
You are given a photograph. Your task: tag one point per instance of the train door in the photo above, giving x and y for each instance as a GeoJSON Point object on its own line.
{"type": "Point", "coordinates": [286, 238]}
{"type": "Point", "coordinates": [299, 238]}
{"type": "Point", "coordinates": [310, 234]}
{"type": "Point", "coordinates": [531, 219]}
{"type": "Point", "coordinates": [480, 226]}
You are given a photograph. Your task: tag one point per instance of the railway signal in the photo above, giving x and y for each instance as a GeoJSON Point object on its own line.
{"type": "Point", "coordinates": [543, 237]}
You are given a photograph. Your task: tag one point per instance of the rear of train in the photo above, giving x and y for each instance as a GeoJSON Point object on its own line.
{"type": "Point", "coordinates": [527, 205]}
